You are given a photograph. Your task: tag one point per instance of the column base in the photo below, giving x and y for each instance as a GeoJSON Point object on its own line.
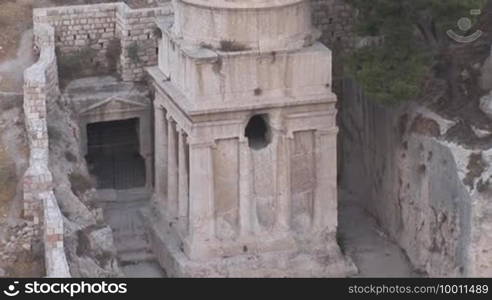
{"type": "Point", "coordinates": [320, 261]}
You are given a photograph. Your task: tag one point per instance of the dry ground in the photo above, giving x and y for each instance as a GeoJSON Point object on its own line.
{"type": "Point", "coordinates": [8, 181]}
{"type": "Point", "coordinates": [15, 24]}
{"type": "Point", "coordinates": [15, 18]}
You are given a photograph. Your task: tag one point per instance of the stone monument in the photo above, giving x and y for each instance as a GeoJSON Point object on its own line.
{"type": "Point", "coordinates": [245, 142]}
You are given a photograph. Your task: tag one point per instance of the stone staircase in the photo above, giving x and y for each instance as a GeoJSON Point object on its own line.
{"type": "Point", "coordinates": [131, 237]}
{"type": "Point", "coordinates": [132, 241]}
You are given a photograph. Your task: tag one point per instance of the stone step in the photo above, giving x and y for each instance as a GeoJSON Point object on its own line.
{"type": "Point", "coordinates": [131, 240]}
{"type": "Point", "coordinates": [145, 269]}
{"type": "Point", "coordinates": [131, 244]}
{"type": "Point", "coordinates": [121, 196]}
{"type": "Point", "coordinates": [131, 234]}
{"type": "Point", "coordinates": [141, 248]}
{"type": "Point", "coordinates": [134, 257]}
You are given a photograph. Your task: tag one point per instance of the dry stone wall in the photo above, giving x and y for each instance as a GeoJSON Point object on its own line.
{"type": "Point", "coordinates": [41, 85]}
{"type": "Point", "coordinates": [40, 82]}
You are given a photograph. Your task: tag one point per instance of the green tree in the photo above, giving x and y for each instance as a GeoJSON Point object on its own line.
{"type": "Point", "coordinates": [413, 33]}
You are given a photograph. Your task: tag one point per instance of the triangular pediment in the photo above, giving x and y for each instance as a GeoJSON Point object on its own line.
{"type": "Point", "coordinates": [113, 104]}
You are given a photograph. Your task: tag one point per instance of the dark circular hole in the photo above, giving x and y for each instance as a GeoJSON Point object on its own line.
{"type": "Point", "coordinates": [257, 132]}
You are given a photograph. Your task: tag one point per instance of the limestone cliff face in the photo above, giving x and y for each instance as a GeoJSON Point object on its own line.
{"type": "Point", "coordinates": [429, 192]}
{"type": "Point", "coordinates": [88, 241]}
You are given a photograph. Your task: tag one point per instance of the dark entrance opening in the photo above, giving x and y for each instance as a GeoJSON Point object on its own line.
{"type": "Point", "coordinates": [113, 154]}
{"type": "Point", "coordinates": [257, 132]}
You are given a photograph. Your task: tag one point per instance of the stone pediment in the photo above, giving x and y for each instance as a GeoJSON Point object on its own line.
{"type": "Point", "coordinates": [112, 105]}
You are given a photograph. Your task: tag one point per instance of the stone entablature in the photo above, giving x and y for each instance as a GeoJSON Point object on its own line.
{"type": "Point", "coordinates": [215, 80]}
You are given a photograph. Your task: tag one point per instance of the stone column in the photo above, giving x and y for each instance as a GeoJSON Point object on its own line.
{"type": "Point", "coordinates": [146, 151]}
{"type": "Point", "coordinates": [245, 181]}
{"type": "Point", "coordinates": [325, 201]}
{"type": "Point", "coordinates": [160, 153]}
{"type": "Point", "coordinates": [201, 203]}
{"type": "Point", "coordinates": [183, 182]}
{"type": "Point", "coordinates": [177, 18]}
{"type": "Point", "coordinates": [281, 180]}
{"type": "Point", "coordinates": [284, 187]}
{"type": "Point", "coordinates": [172, 170]}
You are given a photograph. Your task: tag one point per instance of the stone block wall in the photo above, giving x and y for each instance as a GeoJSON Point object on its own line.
{"type": "Point", "coordinates": [136, 30]}
{"type": "Point", "coordinates": [55, 259]}
{"type": "Point", "coordinates": [335, 19]}
{"type": "Point", "coordinates": [41, 85]}
{"type": "Point", "coordinates": [78, 28]}
{"type": "Point", "coordinates": [106, 36]}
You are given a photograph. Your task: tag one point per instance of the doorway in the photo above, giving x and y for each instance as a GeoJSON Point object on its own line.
{"type": "Point", "coordinates": [113, 155]}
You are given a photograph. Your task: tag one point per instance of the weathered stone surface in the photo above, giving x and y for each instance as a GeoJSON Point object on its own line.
{"type": "Point", "coordinates": [41, 83]}
{"type": "Point", "coordinates": [256, 119]}
{"type": "Point", "coordinates": [71, 206]}
{"type": "Point", "coordinates": [102, 239]}
{"type": "Point", "coordinates": [486, 105]}
{"type": "Point", "coordinates": [426, 192]}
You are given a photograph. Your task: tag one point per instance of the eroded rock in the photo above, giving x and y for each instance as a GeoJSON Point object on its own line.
{"type": "Point", "coordinates": [486, 105]}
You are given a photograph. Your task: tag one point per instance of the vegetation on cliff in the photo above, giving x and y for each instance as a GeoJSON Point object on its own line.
{"type": "Point", "coordinates": [413, 35]}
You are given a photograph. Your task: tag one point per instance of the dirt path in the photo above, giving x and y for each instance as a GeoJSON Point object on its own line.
{"type": "Point", "coordinates": [373, 253]}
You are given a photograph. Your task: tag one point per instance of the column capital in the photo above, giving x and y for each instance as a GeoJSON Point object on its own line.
{"type": "Point", "coordinates": [327, 131]}
{"type": "Point", "coordinates": [289, 135]}
{"type": "Point", "coordinates": [181, 130]}
{"type": "Point", "coordinates": [195, 143]}
{"type": "Point", "coordinates": [169, 117]}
